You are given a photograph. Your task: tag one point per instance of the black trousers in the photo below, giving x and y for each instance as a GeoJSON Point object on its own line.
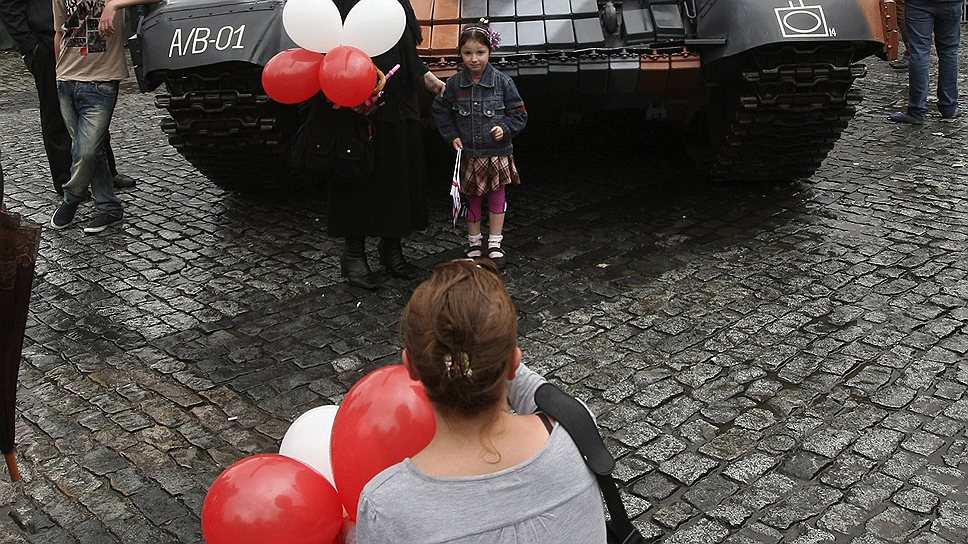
{"type": "Point", "coordinates": [57, 141]}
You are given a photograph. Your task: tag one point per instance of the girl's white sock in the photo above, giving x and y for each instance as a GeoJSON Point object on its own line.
{"type": "Point", "coordinates": [494, 240]}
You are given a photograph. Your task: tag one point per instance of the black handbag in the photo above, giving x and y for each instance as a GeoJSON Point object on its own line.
{"type": "Point", "coordinates": [574, 417]}
{"type": "Point", "coordinates": [333, 143]}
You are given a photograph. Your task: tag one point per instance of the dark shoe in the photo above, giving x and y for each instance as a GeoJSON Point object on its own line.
{"type": "Point", "coordinates": [391, 257]}
{"type": "Point", "coordinates": [122, 181]}
{"type": "Point", "coordinates": [953, 115]}
{"type": "Point", "coordinates": [497, 255]}
{"type": "Point", "coordinates": [907, 118]}
{"type": "Point", "coordinates": [64, 215]}
{"type": "Point", "coordinates": [899, 64]}
{"type": "Point", "coordinates": [101, 222]}
{"type": "Point", "coordinates": [357, 272]}
{"type": "Point", "coordinates": [474, 251]}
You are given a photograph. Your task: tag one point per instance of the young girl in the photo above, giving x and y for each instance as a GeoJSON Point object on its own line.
{"type": "Point", "coordinates": [488, 475]}
{"type": "Point", "coordinates": [479, 113]}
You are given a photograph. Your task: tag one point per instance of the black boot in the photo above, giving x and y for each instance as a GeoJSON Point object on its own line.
{"type": "Point", "coordinates": [391, 257]}
{"type": "Point", "coordinates": [354, 266]}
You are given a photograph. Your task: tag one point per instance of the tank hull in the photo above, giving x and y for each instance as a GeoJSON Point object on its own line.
{"type": "Point", "coordinates": [723, 69]}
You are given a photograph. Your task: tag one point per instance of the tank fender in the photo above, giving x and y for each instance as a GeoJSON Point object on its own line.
{"type": "Point", "coordinates": [748, 24]}
{"type": "Point", "coordinates": [184, 34]}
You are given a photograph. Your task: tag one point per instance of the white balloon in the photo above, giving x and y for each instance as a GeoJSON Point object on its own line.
{"type": "Point", "coordinates": [308, 439]}
{"type": "Point", "coordinates": [374, 26]}
{"type": "Point", "coordinates": [315, 25]}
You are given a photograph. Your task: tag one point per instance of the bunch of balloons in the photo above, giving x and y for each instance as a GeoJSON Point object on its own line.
{"type": "Point", "coordinates": [290, 497]}
{"type": "Point", "coordinates": [333, 55]}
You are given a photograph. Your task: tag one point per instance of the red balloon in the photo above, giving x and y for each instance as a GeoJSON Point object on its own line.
{"type": "Point", "coordinates": [384, 418]}
{"type": "Point", "coordinates": [348, 76]}
{"type": "Point", "coordinates": [271, 499]}
{"type": "Point", "coordinates": [292, 76]}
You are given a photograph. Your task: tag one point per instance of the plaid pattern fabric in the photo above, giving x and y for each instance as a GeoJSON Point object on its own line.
{"type": "Point", "coordinates": [481, 175]}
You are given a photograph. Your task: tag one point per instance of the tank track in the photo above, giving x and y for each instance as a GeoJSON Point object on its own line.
{"type": "Point", "coordinates": [222, 121]}
{"type": "Point", "coordinates": [790, 101]}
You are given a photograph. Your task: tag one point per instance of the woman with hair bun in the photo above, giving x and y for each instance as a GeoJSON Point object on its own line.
{"type": "Point", "coordinates": [489, 475]}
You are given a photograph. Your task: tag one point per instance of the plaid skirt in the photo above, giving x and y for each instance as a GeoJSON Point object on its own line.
{"type": "Point", "coordinates": [481, 175]}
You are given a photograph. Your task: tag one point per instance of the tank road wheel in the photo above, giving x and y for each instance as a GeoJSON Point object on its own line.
{"type": "Point", "coordinates": [780, 116]}
{"type": "Point", "coordinates": [224, 124]}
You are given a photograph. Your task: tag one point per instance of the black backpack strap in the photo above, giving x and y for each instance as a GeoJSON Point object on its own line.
{"type": "Point", "coordinates": [575, 418]}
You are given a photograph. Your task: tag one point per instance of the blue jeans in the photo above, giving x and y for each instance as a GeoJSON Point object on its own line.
{"type": "Point", "coordinates": [87, 107]}
{"type": "Point", "coordinates": [925, 18]}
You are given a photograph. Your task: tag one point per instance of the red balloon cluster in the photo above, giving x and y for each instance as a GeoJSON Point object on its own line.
{"type": "Point", "coordinates": [384, 418]}
{"type": "Point", "coordinates": [346, 75]}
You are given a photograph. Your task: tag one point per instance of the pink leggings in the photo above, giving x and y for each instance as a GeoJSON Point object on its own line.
{"type": "Point", "coordinates": [496, 203]}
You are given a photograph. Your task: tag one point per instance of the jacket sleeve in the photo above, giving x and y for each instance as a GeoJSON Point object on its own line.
{"type": "Point", "coordinates": [13, 13]}
{"type": "Point", "coordinates": [515, 115]}
{"type": "Point", "coordinates": [443, 111]}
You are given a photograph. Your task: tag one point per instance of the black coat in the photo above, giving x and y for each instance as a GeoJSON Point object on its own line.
{"type": "Point", "coordinates": [28, 21]}
{"type": "Point", "coordinates": [392, 202]}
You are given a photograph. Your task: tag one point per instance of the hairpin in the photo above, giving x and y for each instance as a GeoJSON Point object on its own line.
{"type": "Point", "coordinates": [464, 370]}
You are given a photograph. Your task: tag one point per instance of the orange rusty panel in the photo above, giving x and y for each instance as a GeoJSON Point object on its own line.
{"type": "Point", "coordinates": [443, 41]}
{"type": "Point", "coordinates": [653, 73]}
{"type": "Point", "coordinates": [889, 33]}
{"type": "Point", "coordinates": [425, 33]}
{"type": "Point", "coordinates": [422, 9]}
{"type": "Point", "coordinates": [684, 70]}
{"type": "Point", "coordinates": [446, 11]}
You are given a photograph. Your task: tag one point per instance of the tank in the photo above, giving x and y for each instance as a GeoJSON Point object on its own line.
{"type": "Point", "coordinates": [752, 82]}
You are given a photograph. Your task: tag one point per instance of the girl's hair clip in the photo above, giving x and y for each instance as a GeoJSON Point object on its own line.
{"type": "Point", "coordinates": [483, 26]}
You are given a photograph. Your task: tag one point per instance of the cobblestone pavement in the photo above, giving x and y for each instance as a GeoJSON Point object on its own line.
{"type": "Point", "coordinates": [770, 364]}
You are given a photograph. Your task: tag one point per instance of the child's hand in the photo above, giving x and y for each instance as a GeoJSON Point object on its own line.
{"type": "Point", "coordinates": [498, 133]}
{"type": "Point", "coordinates": [457, 144]}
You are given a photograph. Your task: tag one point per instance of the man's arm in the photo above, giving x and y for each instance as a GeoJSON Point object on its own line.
{"type": "Point", "coordinates": [111, 7]}
{"type": "Point", "coordinates": [13, 13]}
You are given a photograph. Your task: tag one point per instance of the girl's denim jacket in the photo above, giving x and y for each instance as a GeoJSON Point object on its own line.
{"type": "Point", "coordinates": [469, 109]}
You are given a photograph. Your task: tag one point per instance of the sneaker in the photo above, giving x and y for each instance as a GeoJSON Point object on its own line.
{"type": "Point", "coordinates": [497, 255]}
{"type": "Point", "coordinates": [100, 222]}
{"type": "Point", "coordinates": [954, 115]}
{"type": "Point", "coordinates": [899, 64]}
{"type": "Point", "coordinates": [904, 117]}
{"type": "Point", "coordinates": [64, 215]}
{"type": "Point", "coordinates": [474, 251]}
{"type": "Point", "coordinates": [122, 181]}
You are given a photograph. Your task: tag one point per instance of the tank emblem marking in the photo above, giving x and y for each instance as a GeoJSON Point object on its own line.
{"type": "Point", "coordinates": [200, 38]}
{"type": "Point", "coordinates": [803, 21]}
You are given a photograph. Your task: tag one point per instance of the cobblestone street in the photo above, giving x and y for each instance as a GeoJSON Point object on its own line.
{"type": "Point", "coordinates": [768, 363]}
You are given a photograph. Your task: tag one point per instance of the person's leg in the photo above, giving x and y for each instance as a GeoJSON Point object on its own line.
{"type": "Point", "coordinates": [947, 36]}
{"type": "Point", "coordinates": [57, 139]}
{"type": "Point", "coordinates": [474, 237]}
{"type": "Point", "coordinates": [392, 259]}
{"type": "Point", "coordinates": [902, 61]}
{"type": "Point", "coordinates": [64, 215]}
{"type": "Point", "coordinates": [121, 181]}
{"type": "Point", "coordinates": [496, 207]}
{"type": "Point", "coordinates": [920, 26]}
{"type": "Point", "coordinates": [95, 105]}
{"type": "Point", "coordinates": [354, 266]}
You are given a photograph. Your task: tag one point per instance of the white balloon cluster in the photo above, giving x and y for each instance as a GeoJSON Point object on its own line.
{"type": "Point", "coordinates": [373, 26]}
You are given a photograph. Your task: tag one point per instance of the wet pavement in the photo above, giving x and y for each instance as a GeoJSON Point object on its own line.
{"type": "Point", "coordinates": [769, 364]}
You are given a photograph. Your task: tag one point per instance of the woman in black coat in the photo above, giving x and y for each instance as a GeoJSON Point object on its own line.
{"type": "Point", "coordinates": [392, 201]}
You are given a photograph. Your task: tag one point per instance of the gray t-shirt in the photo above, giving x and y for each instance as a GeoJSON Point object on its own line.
{"type": "Point", "coordinates": [551, 497]}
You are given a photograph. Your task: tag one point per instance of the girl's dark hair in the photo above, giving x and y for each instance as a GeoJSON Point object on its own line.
{"type": "Point", "coordinates": [460, 331]}
{"type": "Point", "coordinates": [479, 32]}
